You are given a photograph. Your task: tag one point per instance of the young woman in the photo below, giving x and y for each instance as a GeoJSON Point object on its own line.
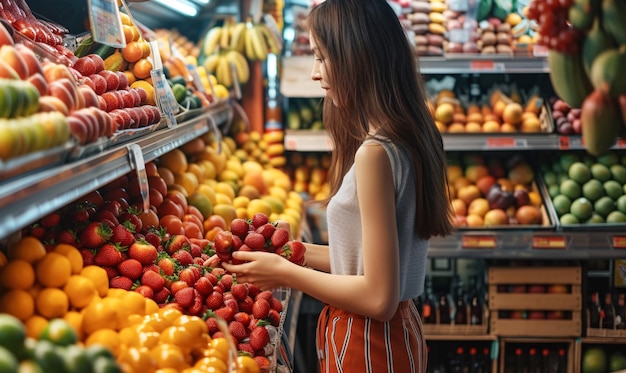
{"type": "Point", "coordinates": [389, 195]}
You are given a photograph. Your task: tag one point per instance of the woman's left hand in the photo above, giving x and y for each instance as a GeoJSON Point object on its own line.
{"type": "Point", "coordinates": [260, 268]}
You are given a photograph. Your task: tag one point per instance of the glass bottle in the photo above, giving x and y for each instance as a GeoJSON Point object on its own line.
{"type": "Point", "coordinates": [460, 313]}
{"type": "Point", "coordinates": [620, 311]}
{"type": "Point", "coordinates": [562, 362]}
{"type": "Point", "coordinates": [608, 322]}
{"type": "Point", "coordinates": [533, 361]}
{"type": "Point", "coordinates": [429, 304]}
{"type": "Point", "coordinates": [444, 309]}
{"type": "Point", "coordinates": [518, 363]}
{"type": "Point", "coordinates": [594, 311]}
{"type": "Point", "coordinates": [457, 362]}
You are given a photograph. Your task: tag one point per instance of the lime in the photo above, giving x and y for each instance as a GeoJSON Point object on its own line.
{"type": "Point", "coordinates": [76, 360]}
{"type": "Point", "coordinates": [105, 365]}
{"type": "Point", "coordinates": [595, 219]}
{"type": "Point", "coordinates": [613, 189]}
{"type": "Point", "coordinates": [567, 160]}
{"type": "Point", "coordinates": [570, 188]}
{"type": "Point", "coordinates": [594, 361]}
{"type": "Point", "coordinates": [94, 351]}
{"type": "Point", "coordinates": [582, 208]}
{"type": "Point", "coordinates": [604, 206]}
{"type": "Point", "coordinates": [12, 334]}
{"type": "Point", "coordinates": [556, 167]}
{"type": "Point", "coordinates": [579, 172]}
{"type": "Point", "coordinates": [561, 204]}
{"type": "Point", "coordinates": [8, 362]}
{"type": "Point", "coordinates": [550, 178]}
{"type": "Point", "coordinates": [621, 204]}
{"type": "Point", "coordinates": [592, 190]}
{"type": "Point", "coordinates": [616, 217]}
{"type": "Point", "coordinates": [617, 361]}
{"type": "Point", "coordinates": [29, 366]}
{"type": "Point", "coordinates": [554, 190]}
{"type": "Point", "coordinates": [600, 172]}
{"type": "Point", "coordinates": [608, 159]}
{"type": "Point", "coordinates": [48, 356]}
{"type": "Point", "coordinates": [59, 332]}
{"type": "Point", "coordinates": [618, 172]}
{"type": "Point", "coordinates": [569, 219]}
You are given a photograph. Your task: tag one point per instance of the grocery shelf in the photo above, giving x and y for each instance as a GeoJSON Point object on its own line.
{"type": "Point", "coordinates": [460, 337]}
{"type": "Point", "coordinates": [308, 140]}
{"type": "Point", "coordinates": [25, 199]}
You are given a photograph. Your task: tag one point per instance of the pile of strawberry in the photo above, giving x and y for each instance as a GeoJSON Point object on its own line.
{"type": "Point", "coordinates": [258, 234]}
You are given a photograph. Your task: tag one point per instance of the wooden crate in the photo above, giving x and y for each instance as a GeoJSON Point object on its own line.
{"type": "Point", "coordinates": [567, 304]}
{"type": "Point", "coordinates": [452, 329]}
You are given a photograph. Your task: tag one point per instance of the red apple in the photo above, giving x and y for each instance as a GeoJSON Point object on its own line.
{"type": "Point", "coordinates": [97, 61]}
{"type": "Point", "coordinates": [29, 57]}
{"type": "Point", "coordinates": [100, 84]}
{"type": "Point", "coordinates": [7, 72]}
{"type": "Point", "coordinates": [517, 288]}
{"type": "Point", "coordinates": [78, 129]}
{"type": "Point", "coordinates": [53, 71]}
{"type": "Point", "coordinates": [112, 101]}
{"type": "Point", "coordinates": [123, 80]}
{"type": "Point", "coordinates": [52, 103]}
{"type": "Point", "coordinates": [13, 58]}
{"type": "Point", "coordinates": [536, 315]}
{"type": "Point", "coordinates": [89, 96]}
{"type": "Point", "coordinates": [59, 90]}
{"type": "Point", "coordinates": [38, 80]}
{"type": "Point", "coordinates": [85, 65]}
{"type": "Point", "coordinates": [5, 36]}
{"type": "Point", "coordinates": [111, 78]}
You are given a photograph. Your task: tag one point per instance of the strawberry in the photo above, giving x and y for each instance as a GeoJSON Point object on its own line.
{"type": "Point", "coordinates": [132, 216]}
{"type": "Point", "coordinates": [66, 236]}
{"type": "Point", "coordinates": [146, 291]}
{"type": "Point", "coordinates": [265, 294]}
{"type": "Point", "coordinates": [243, 247]}
{"type": "Point", "coordinates": [95, 235]}
{"type": "Point", "coordinates": [87, 257]}
{"type": "Point", "coordinates": [197, 307]}
{"type": "Point", "coordinates": [245, 347]}
{"type": "Point", "coordinates": [255, 240]}
{"type": "Point", "coordinates": [253, 290]}
{"type": "Point", "coordinates": [108, 216]}
{"type": "Point", "coordinates": [115, 207]}
{"type": "Point", "coordinates": [245, 305]}
{"type": "Point", "coordinates": [177, 285]}
{"type": "Point", "coordinates": [151, 267]}
{"type": "Point", "coordinates": [203, 286]}
{"type": "Point", "coordinates": [237, 330]}
{"type": "Point", "coordinates": [232, 303]}
{"type": "Point", "coordinates": [121, 282]}
{"type": "Point", "coordinates": [111, 272]}
{"type": "Point", "coordinates": [143, 251]}
{"type": "Point", "coordinates": [122, 235]}
{"type": "Point", "coordinates": [37, 231]}
{"type": "Point", "coordinates": [259, 219]}
{"type": "Point", "coordinates": [211, 324]}
{"type": "Point", "coordinates": [153, 238]}
{"type": "Point", "coordinates": [130, 268]}
{"type": "Point", "coordinates": [177, 242]}
{"type": "Point", "coordinates": [242, 317]}
{"type": "Point", "coordinates": [187, 275]}
{"type": "Point", "coordinates": [184, 297]}
{"type": "Point", "coordinates": [108, 255]}
{"type": "Point", "coordinates": [183, 257]}
{"type": "Point", "coordinates": [239, 291]}
{"type": "Point", "coordinates": [293, 251]}
{"type": "Point", "coordinates": [239, 227]}
{"type": "Point", "coordinates": [50, 220]}
{"type": "Point", "coordinates": [260, 308]}
{"type": "Point", "coordinates": [153, 280]}
{"type": "Point", "coordinates": [166, 265]}
{"type": "Point", "coordinates": [266, 230]}
{"type": "Point", "coordinates": [274, 317]}
{"type": "Point", "coordinates": [259, 338]}
{"type": "Point", "coordinates": [78, 215]}
{"type": "Point", "coordinates": [276, 304]}
{"type": "Point", "coordinates": [263, 362]}
{"type": "Point", "coordinates": [211, 277]}
{"type": "Point", "coordinates": [195, 250]}
{"type": "Point", "coordinates": [227, 281]}
{"type": "Point", "coordinates": [162, 295]}
{"type": "Point", "coordinates": [199, 261]}
{"type": "Point", "coordinates": [223, 242]}
{"type": "Point", "coordinates": [214, 300]}
{"type": "Point", "coordinates": [280, 237]}
{"type": "Point", "coordinates": [218, 271]}
{"type": "Point", "coordinates": [225, 313]}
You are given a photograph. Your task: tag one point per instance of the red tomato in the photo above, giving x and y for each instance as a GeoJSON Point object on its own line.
{"type": "Point", "coordinates": [156, 198]}
{"type": "Point", "coordinates": [177, 197]}
{"type": "Point", "coordinates": [192, 230]}
{"type": "Point", "coordinates": [158, 183]}
{"type": "Point", "coordinates": [151, 169]}
{"type": "Point", "coordinates": [194, 211]}
{"type": "Point", "coordinates": [169, 207]}
{"type": "Point", "coordinates": [173, 224]}
{"type": "Point", "coordinates": [149, 218]}
{"type": "Point", "coordinates": [194, 219]}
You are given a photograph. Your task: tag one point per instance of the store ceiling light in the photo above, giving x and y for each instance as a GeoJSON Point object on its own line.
{"type": "Point", "coordinates": [203, 2]}
{"type": "Point", "coordinates": [181, 6]}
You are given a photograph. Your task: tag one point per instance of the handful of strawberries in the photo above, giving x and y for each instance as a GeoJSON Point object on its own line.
{"type": "Point", "coordinates": [258, 234]}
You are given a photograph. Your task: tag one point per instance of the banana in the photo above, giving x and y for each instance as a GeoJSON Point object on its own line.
{"type": "Point", "coordinates": [237, 40]}
{"type": "Point", "coordinates": [227, 30]}
{"type": "Point", "coordinates": [249, 43]}
{"type": "Point", "coordinates": [613, 15]}
{"type": "Point", "coordinates": [270, 40]}
{"type": "Point", "coordinates": [596, 42]}
{"type": "Point", "coordinates": [568, 77]}
{"type": "Point", "coordinates": [223, 72]}
{"type": "Point", "coordinates": [260, 47]}
{"type": "Point", "coordinates": [241, 65]}
{"type": "Point", "coordinates": [210, 63]}
{"type": "Point", "coordinates": [211, 40]}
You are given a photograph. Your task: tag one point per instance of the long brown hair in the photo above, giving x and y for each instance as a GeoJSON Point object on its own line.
{"type": "Point", "coordinates": [373, 72]}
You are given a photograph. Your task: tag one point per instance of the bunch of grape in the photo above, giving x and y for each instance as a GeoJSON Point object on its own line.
{"type": "Point", "coordinates": [555, 31]}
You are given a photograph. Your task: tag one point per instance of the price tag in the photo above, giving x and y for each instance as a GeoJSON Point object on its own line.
{"type": "Point", "coordinates": [620, 143]}
{"type": "Point", "coordinates": [291, 144]}
{"type": "Point", "coordinates": [548, 242]}
{"type": "Point", "coordinates": [505, 142]}
{"type": "Point", "coordinates": [163, 95]}
{"type": "Point", "coordinates": [478, 242]}
{"type": "Point", "coordinates": [487, 65]}
{"type": "Point", "coordinates": [458, 5]}
{"type": "Point", "coordinates": [106, 24]}
{"type": "Point", "coordinates": [137, 162]}
{"type": "Point", "coordinates": [459, 36]}
{"type": "Point", "coordinates": [619, 242]}
{"type": "Point", "coordinates": [564, 142]}
{"type": "Point", "coordinates": [540, 51]}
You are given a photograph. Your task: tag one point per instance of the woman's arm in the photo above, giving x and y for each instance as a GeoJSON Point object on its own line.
{"type": "Point", "coordinates": [317, 257]}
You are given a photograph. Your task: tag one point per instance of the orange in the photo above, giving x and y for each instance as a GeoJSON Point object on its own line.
{"type": "Point", "coordinates": [137, 359]}
{"type": "Point", "coordinates": [175, 161]}
{"type": "Point", "coordinates": [52, 302]}
{"type": "Point", "coordinates": [145, 49]}
{"type": "Point", "coordinates": [132, 52]}
{"type": "Point", "coordinates": [99, 315]}
{"type": "Point", "coordinates": [134, 304]}
{"type": "Point", "coordinates": [125, 19]}
{"type": "Point", "coordinates": [18, 303]}
{"type": "Point", "coordinates": [80, 290]}
{"type": "Point", "coordinates": [169, 356]}
{"type": "Point", "coordinates": [142, 68]}
{"type": "Point", "coordinates": [99, 278]}
{"type": "Point", "coordinates": [146, 86]}
{"type": "Point", "coordinates": [166, 175]}
{"type": "Point", "coordinates": [187, 180]}
{"type": "Point", "coordinates": [73, 254]}
{"type": "Point", "coordinates": [17, 274]}
{"type": "Point", "coordinates": [130, 77]}
{"type": "Point", "coordinates": [75, 320]}
{"type": "Point", "coordinates": [29, 249]}
{"type": "Point", "coordinates": [211, 364]}
{"type": "Point", "coordinates": [34, 325]}
{"type": "Point", "coordinates": [106, 337]}
{"type": "Point", "coordinates": [151, 306]}
{"type": "Point", "coordinates": [53, 270]}
{"type": "Point", "coordinates": [177, 336]}
{"type": "Point", "coordinates": [246, 364]}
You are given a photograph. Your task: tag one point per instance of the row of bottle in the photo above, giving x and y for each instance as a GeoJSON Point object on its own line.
{"type": "Point", "coordinates": [539, 358]}
{"type": "Point", "coordinates": [470, 357]}
{"type": "Point", "coordinates": [458, 306]}
{"type": "Point", "coordinates": [607, 310]}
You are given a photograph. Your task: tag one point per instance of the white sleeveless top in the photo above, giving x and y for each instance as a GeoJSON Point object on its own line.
{"type": "Point", "coordinates": [344, 225]}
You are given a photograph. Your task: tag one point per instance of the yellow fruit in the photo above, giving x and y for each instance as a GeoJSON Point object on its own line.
{"type": "Point", "coordinates": [444, 113]}
{"type": "Point", "coordinates": [241, 201]}
{"type": "Point", "coordinates": [187, 180]}
{"type": "Point", "coordinates": [276, 205]}
{"type": "Point", "coordinates": [225, 188]}
{"type": "Point", "coordinates": [99, 278]}
{"type": "Point", "coordinates": [175, 161]}
{"type": "Point", "coordinates": [226, 211]}
{"type": "Point", "coordinates": [34, 325]}
{"type": "Point", "coordinates": [100, 314]}
{"type": "Point", "coordinates": [28, 248]}
{"type": "Point", "coordinates": [74, 256]}
{"type": "Point", "coordinates": [208, 192]}
{"type": "Point", "coordinates": [223, 199]}
{"type": "Point", "coordinates": [105, 337]}
{"type": "Point", "coordinates": [151, 306]}
{"type": "Point", "coordinates": [147, 87]}
{"type": "Point", "coordinates": [75, 319]}
{"type": "Point", "coordinates": [18, 303]}
{"type": "Point", "coordinates": [53, 270]}
{"type": "Point", "coordinates": [52, 302]}
{"type": "Point", "coordinates": [17, 274]}
{"type": "Point", "coordinates": [279, 193]}
{"type": "Point", "coordinates": [259, 206]}
{"type": "Point", "coordinates": [80, 290]}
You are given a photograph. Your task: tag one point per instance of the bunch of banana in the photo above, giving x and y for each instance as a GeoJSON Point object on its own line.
{"type": "Point", "coordinates": [259, 42]}
{"type": "Point", "coordinates": [221, 64]}
{"type": "Point", "coordinates": [594, 78]}
{"type": "Point", "coordinates": [254, 40]}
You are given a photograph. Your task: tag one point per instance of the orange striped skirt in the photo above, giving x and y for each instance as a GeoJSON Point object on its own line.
{"type": "Point", "coordinates": [351, 343]}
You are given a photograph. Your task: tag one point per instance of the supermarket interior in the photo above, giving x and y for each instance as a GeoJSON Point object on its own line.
{"type": "Point", "coordinates": [142, 142]}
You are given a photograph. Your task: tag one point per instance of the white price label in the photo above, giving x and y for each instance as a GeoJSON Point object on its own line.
{"type": "Point", "coordinates": [106, 24]}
